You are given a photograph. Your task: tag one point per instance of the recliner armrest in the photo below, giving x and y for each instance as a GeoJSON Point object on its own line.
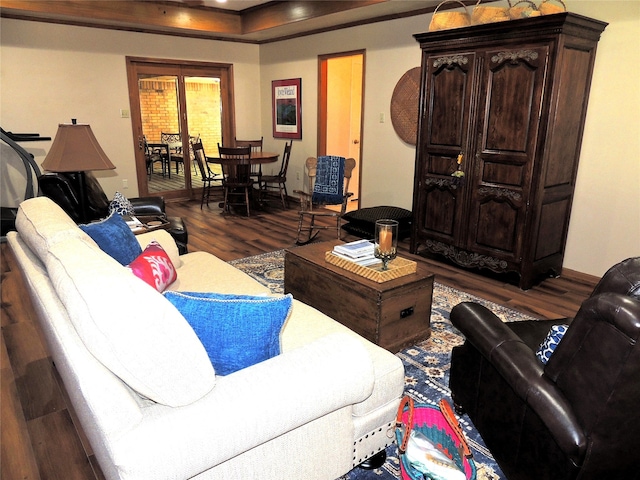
{"type": "Point", "coordinates": [148, 205]}
{"type": "Point", "coordinates": [496, 342]}
{"type": "Point", "coordinates": [481, 327]}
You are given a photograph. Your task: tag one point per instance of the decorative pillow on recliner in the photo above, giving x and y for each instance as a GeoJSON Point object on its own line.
{"type": "Point", "coordinates": [114, 237]}
{"type": "Point", "coordinates": [549, 344]}
{"type": "Point", "coordinates": [237, 331]}
{"type": "Point", "coordinates": [121, 205]}
{"type": "Point", "coordinates": [154, 266]}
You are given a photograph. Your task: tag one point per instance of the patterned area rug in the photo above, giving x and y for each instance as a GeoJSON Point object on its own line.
{"type": "Point", "coordinates": [426, 364]}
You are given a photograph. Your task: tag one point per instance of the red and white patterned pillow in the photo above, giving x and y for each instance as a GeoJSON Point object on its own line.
{"type": "Point", "coordinates": [154, 266]}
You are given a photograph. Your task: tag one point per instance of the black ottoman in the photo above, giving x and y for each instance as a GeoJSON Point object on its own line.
{"type": "Point", "coordinates": [362, 222]}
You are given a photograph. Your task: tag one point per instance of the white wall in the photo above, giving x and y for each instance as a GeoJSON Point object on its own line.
{"type": "Point", "coordinates": [387, 162]}
{"type": "Point", "coordinates": [52, 73]}
{"type": "Point", "coordinates": [605, 222]}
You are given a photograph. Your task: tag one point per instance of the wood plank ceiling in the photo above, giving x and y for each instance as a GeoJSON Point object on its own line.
{"type": "Point", "coordinates": [261, 23]}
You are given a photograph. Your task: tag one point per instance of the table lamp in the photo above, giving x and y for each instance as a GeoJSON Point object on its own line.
{"type": "Point", "coordinates": [75, 149]}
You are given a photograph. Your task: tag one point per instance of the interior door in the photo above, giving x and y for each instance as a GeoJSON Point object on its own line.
{"type": "Point", "coordinates": [341, 86]}
{"type": "Point", "coordinates": [172, 104]}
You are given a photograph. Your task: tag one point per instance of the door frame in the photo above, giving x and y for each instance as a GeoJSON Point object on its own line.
{"type": "Point", "coordinates": [182, 69]}
{"type": "Point", "coordinates": [322, 107]}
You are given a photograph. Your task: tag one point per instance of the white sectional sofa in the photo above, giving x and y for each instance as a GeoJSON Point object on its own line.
{"type": "Point", "coordinates": [146, 393]}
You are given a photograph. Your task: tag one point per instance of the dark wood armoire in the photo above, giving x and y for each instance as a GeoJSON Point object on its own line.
{"type": "Point", "coordinates": [505, 103]}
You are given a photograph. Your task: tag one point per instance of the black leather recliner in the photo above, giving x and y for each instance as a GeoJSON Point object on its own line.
{"type": "Point", "coordinates": [577, 417]}
{"type": "Point", "coordinates": [62, 188]}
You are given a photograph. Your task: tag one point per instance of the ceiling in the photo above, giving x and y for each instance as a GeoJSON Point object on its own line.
{"type": "Point", "coordinates": [236, 5]}
{"type": "Point", "coordinates": [252, 21]}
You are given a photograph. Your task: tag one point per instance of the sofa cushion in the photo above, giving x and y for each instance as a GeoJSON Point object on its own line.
{"type": "Point", "coordinates": [203, 272]}
{"type": "Point", "coordinates": [128, 326]}
{"type": "Point", "coordinates": [121, 205]}
{"type": "Point", "coordinates": [114, 237]}
{"type": "Point", "coordinates": [154, 266]}
{"type": "Point", "coordinates": [237, 331]}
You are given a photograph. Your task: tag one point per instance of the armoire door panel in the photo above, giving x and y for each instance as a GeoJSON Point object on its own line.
{"type": "Point", "coordinates": [450, 81]}
{"type": "Point", "coordinates": [564, 140]}
{"type": "Point", "coordinates": [497, 222]}
{"type": "Point", "coordinates": [512, 99]}
{"type": "Point", "coordinates": [503, 173]}
{"type": "Point", "coordinates": [495, 231]}
{"type": "Point", "coordinates": [552, 229]}
{"type": "Point", "coordinates": [512, 89]}
{"type": "Point", "coordinates": [442, 164]}
{"type": "Point", "coordinates": [441, 204]}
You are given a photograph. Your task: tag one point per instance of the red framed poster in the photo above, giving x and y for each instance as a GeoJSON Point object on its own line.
{"type": "Point", "coordinates": [287, 108]}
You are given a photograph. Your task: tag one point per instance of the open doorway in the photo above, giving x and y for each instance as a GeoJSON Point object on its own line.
{"type": "Point", "coordinates": [174, 103]}
{"type": "Point", "coordinates": [340, 111]}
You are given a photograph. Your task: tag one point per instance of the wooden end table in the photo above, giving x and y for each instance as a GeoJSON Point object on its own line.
{"type": "Point", "coordinates": [393, 314]}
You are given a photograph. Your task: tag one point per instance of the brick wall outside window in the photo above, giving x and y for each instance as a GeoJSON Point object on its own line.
{"type": "Point", "coordinates": [159, 108]}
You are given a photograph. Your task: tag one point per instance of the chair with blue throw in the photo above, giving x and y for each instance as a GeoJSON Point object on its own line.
{"type": "Point", "coordinates": [328, 184]}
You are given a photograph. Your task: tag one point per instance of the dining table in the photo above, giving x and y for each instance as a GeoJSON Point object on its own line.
{"type": "Point", "coordinates": [256, 158]}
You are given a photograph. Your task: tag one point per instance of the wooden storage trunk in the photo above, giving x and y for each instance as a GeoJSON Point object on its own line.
{"type": "Point", "coordinates": [393, 314]}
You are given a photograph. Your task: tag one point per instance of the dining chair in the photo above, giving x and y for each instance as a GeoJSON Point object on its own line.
{"type": "Point", "coordinates": [256, 146]}
{"type": "Point", "coordinates": [192, 140]}
{"type": "Point", "coordinates": [236, 176]}
{"type": "Point", "coordinates": [173, 141]}
{"type": "Point", "coordinates": [279, 181]}
{"type": "Point", "coordinates": [153, 154]}
{"type": "Point", "coordinates": [174, 144]}
{"type": "Point", "coordinates": [328, 184]}
{"type": "Point", "coordinates": [208, 177]}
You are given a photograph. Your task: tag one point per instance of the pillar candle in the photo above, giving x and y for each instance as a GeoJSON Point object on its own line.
{"type": "Point", "coordinates": [385, 240]}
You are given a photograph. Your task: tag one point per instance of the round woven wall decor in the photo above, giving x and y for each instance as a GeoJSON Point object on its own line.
{"type": "Point", "coordinates": [404, 106]}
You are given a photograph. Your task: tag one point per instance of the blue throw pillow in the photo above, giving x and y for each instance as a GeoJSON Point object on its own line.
{"type": "Point", "coordinates": [237, 331]}
{"type": "Point", "coordinates": [551, 341]}
{"type": "Point", "coordinates": [114, 237]}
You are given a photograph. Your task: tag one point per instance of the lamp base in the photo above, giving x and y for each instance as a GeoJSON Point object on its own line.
{"type": "Point", "coordinates": [82, 196]}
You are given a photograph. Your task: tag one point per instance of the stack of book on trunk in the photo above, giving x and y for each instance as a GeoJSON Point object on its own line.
{"type": "Point", "coordinates": [360, 252]}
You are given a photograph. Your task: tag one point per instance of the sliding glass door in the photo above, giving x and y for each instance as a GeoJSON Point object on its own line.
{"type": "Point", "coordinates": [204, 104]}
{"type": "Point", "coordinates": [172, 105]}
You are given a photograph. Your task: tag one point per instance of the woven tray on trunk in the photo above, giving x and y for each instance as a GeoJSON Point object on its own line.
{"type": "Point", "coordinates": [398, 267]}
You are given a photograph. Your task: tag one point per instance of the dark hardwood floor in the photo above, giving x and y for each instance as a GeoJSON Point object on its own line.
{"type": "Point", "coordinates": [38, 437]}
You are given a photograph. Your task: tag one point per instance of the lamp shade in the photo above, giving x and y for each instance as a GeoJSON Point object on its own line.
{"type": "Point", "coordinates": [75, 149]}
